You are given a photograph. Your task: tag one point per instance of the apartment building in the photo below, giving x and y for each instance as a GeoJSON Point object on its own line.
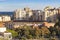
{"type": "Point", "coordinates": [22, 14]}
{"type": "Point", "coordinates": [19, 14]}
{"type": "Point", "coordinates": [29, 13]}
{"type": "Point", "coordinates": [58, 15]}
{"type": "Point", "coordinates": [38, 15]}
{"type": "Point", "coordinates": [5, 18]}
{"type": "Point", "coordinates": [50, 14]}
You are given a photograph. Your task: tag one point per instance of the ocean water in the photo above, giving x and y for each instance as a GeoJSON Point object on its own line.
{"type": "Point", "coordinates": [7, 13]}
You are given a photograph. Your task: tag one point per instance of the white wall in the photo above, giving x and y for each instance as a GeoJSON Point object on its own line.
{"type": "Point", "coordinates": [0, 18]}
{"type": "Point", "coordinates": [6, 18]}
{"type": "Point", "coordinates": [2, 29]}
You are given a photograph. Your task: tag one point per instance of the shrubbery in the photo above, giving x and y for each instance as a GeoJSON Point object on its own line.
{"type": "Point", "coordinates": [28, 32]}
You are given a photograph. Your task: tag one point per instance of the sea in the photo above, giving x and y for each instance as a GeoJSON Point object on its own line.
{"type": "Point", "coordinates": [7, 13]}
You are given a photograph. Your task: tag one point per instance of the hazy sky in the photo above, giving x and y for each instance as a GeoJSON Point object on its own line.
{"type": "Point", "coordinates": [11, 5]}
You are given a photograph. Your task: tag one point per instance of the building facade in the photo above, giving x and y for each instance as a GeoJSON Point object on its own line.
{"type": "Point", "coordinates": [58, 13]}
{"type": "Point", "coordinates": [20, 14]}
{"type": "Point", "coordinates": [29, 13]}
{"type": "Point", "coordinates": [5, 18]}
{"type": "Point", "coordinates": [37, 15]}
{"type": "Point", "coordinates": [50, 14]}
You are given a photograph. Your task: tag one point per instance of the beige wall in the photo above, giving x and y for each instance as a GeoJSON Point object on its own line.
{"type": "Point", "coordinates": [50, 14]}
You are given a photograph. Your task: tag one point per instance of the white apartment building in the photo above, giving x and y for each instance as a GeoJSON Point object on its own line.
{"type": "Point", "coordinates": [29, 13]}
{"type": "Point", "coordinates": [38, 15]}
{"type": "Point", "coordinates": [8, 36]}
{"type": "Point", "coordinates": [50, 14]}
{"type": "Point", "coordinates": [5, 18]}
{"type": "Point", "coordinates": [23, 14]}
{"type": "Point", "coordinates": [20, 14]}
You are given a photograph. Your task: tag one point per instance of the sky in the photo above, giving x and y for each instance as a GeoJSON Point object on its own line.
{"type": "Point", "coordinates": [11, 5]}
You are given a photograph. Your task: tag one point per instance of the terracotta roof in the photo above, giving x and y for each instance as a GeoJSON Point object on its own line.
{"type": "Point", "coordinates": [2, 24]}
